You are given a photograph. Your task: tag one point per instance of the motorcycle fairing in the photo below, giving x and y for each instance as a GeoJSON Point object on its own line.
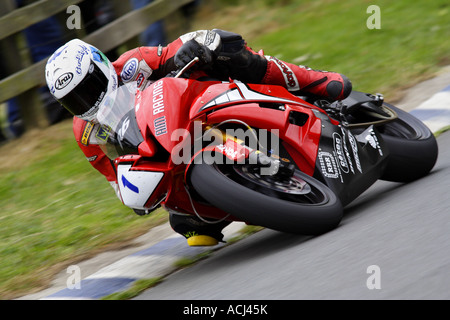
{"type": "Point", "coordinates": [347, 158]}
{"type": "Point", "coordinates": [167, 187]}
{"type": "Point", "coordinates": [268, 107]}
{"type": "Point", "coordinates": [164, 108]}
{"type": "Point", "coordinates": [142, 184]}
{"type": "Point", "coordinates": [136, 186]}
{"type": "Point", "coordinates": [300, 140]}
{"type": "Point", "coordinates": [239, 92]}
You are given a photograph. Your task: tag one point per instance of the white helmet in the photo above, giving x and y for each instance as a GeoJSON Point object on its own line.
{"type": "Point", "coordinates": [79, 76]}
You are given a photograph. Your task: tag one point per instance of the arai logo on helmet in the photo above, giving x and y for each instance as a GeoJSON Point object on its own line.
{"type": "Point", "coordinates": [63, 80]}
{"type": "Point", "coordinates": [129, 70]}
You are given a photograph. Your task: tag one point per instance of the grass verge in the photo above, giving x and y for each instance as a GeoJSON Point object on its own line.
{"type": "Point", "coordinates": [57, 210]}
{"type": "Point", "coordinates": [441, 131]}
{"type": "Point", "coordinates": [137, 288]}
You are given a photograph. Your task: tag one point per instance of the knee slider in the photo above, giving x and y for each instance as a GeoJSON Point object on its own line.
{"type": "Point", "coordinates": [339, 89]}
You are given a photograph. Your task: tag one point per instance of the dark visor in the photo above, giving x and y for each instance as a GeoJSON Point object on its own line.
{"type": "Point", "coordinates": [87, 93]}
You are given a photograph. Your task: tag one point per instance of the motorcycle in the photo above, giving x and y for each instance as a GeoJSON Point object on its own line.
{"type": "Point", "coordinates": [256, 153]}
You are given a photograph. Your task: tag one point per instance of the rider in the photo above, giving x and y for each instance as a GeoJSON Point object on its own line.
{"type": "Point", "coordinates": [79, 76]}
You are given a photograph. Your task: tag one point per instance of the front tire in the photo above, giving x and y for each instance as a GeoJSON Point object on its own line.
{"type": "Point", "coordinates": [302, 205]}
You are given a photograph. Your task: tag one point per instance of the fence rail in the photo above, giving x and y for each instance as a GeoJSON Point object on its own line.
{"type": "Point", "coordinates": [22, 18]}
{"type": "Point", "coordinates": [106, 38]}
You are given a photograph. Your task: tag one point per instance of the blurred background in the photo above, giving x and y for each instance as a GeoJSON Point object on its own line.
{"type": "Point", "coordinates": [55, 208]}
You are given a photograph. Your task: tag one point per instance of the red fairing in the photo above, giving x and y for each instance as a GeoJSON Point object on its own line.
{"type": "Point", "coordinates": [167, 99]}
{"type": "Point", "coordinates": [242, 101]}
{"type": "Point", "coordinates": [300, 142]}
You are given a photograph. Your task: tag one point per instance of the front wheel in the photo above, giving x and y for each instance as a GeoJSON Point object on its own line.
{"type": "Point", "coordinates": [299, 204]}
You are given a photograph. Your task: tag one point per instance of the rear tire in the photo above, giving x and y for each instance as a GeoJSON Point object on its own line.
{"type": "Point", "coordinates": [412, 146]}
{"type": "Point", "coordinates": [310, 210]}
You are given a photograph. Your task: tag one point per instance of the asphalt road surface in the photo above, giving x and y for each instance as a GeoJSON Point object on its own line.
{"type": "Point", "coordinates": [393, 243]}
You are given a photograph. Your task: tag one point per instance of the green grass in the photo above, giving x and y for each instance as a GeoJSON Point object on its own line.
{"type": "Point", "coordinates": [136, 288]}
{"type": "Point", "coordinates": [56, 209]}
{"type": "Point", "coordinates": [441, 131]}
{"type": "Point", "coordinates": [185, 261]}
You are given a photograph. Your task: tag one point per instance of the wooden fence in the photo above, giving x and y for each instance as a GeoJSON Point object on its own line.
{"type": "Point", "coordinates": [23, 81]}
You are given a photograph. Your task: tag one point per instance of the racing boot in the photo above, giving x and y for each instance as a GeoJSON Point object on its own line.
{"type": "Point", "coordinates": [196, 231]}
{"type": "Point", "coordinates": [303, 80]}
{"type": "Point", "coordinates": [196, 240]}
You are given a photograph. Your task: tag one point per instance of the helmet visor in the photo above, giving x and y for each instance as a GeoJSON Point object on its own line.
{"type": "Point", "coordinates": [84, 99]}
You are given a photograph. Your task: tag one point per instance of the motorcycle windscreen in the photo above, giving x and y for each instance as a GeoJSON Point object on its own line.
{"type": "Point", "coordinates": [118, 133]}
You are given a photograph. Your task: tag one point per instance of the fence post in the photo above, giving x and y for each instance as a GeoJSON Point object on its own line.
{"type": "Point", "coordinates": [29, 102]}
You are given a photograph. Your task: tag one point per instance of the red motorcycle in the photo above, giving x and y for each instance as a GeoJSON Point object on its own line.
{"type": "Point", "coordinates": [256, 153]}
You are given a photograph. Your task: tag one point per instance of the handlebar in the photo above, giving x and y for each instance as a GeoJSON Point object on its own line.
{"type": "Point", "coordinates": [187, 67]}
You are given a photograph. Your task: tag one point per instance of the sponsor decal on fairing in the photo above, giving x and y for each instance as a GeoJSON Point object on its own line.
{"type": "Point", "coordinates": [372, 139]}
{"type": "Point", "coordinates": [158, 98]}
{"type": "Point", "coordinates": [160, 126]}
{"type": "Point", "coordinates": [340, 153]}
{"type": "Point", "coordinates": [328, 165]}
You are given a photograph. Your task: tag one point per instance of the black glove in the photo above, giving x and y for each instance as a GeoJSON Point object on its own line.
{"type": "Point", "coordinates": [171, 74]}
{"type": "Point", "coordinates": [189, 51]}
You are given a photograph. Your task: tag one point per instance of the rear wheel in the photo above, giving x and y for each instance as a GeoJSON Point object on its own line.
{"type": "Point", "coordinates": [412, 146]}
{"type": "Point", "coordinates": [295, 204]}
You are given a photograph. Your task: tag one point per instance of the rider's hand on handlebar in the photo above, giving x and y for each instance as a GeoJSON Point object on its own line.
{"type": "Point", "coordinates": [189, 51]}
